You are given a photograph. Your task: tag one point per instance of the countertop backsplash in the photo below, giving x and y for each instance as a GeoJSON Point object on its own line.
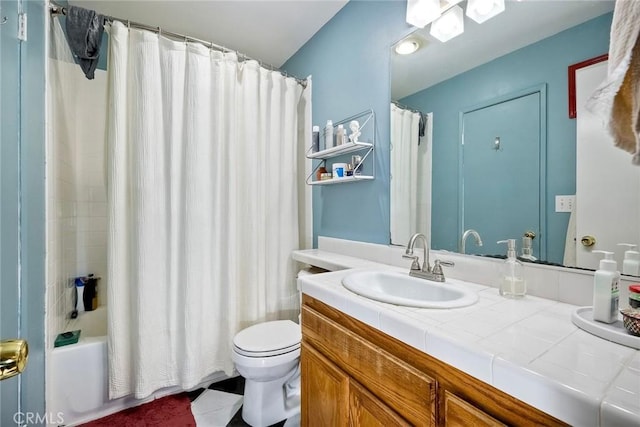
{"type": "Point", "coordinates": [572, 286]}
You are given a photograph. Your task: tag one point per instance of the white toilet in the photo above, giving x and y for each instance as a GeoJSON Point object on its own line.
{"type": "Point", "coordinates": [267, 355]}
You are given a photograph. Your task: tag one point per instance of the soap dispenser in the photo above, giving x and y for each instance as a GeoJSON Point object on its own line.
{"type": "Point", "coordinates": [606, 290]}
{"type": "Point", "coordinates": [527, 249]}
{"type": "Point", "coordinates": [512, 283]}
{"type": "Point", "coordinates": [631, 262]}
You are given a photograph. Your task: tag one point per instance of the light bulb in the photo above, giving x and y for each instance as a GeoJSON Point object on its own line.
{"type": "Point", "coordinates": [483, 7]}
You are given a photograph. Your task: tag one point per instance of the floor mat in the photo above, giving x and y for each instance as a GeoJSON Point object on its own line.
{"type": "Point", "coordinates": [172, 410]}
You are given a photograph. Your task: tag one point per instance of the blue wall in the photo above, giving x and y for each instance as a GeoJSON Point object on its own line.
{"type": "Point", "coordinates": [360, 35]}
{"type": "Point", "coordinates": [22, 217]}
{"type": "Point", "coordinates": [542, 62]}
{"type": "Point", "coordinates": [349, 61]}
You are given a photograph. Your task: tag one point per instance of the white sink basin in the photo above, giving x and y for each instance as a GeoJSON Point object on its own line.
{"type": "Point", "coordinates": [402, 289]}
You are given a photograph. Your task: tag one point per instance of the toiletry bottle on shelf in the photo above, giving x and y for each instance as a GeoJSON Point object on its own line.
{"type": "Point", "coordinates": [512, 283]}
{"type": "Point", "coordinates": [527, 249]}
{"type": "Point", "coordinates": [341, 135]}
{"type": "Point", "coordinates": [606, 289]}
{"type": "Point", "coordinates": [631, 262]}
{"type": "Point", "coordinates": [328, 135]}
{"type": "Point", "coordinates": [321, 170]}
{"type": "Point", "coordinates": [315, 139]}
{"type": "Point", "coordinates": [79, 282]}
{"type": "Point", "coordinates": [90, 295]}
{"type": "Point", "coordinates": [356, 164]}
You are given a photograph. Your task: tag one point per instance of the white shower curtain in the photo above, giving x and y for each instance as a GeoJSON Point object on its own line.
{"type": "Point", "coordinates": [203, 206]}
{"type": "Point", "coordinates": [404, 174]}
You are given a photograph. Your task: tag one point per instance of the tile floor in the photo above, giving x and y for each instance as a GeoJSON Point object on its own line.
{"type": "Point", "coordinates": [220, 405]}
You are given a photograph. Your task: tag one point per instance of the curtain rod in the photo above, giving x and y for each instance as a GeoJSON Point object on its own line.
{"type": "Point", "coordinates": [404, 107]}
{"type": "Point", "coordinates": [56, 9]}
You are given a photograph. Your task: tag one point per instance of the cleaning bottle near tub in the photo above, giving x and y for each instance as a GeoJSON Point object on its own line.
{"type": "Point", "coordinates": [79, 282]}
{"type": "Point", "coordinates": [606, 289]}
{"type": "Point", "coordinates": [512, 282]}
{"type": "Point", "coordinates": [631, 262]}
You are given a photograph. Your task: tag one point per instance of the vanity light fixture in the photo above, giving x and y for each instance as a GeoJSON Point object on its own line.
{"type": "Point", "coordinates": [482, 10]}
{"type": "Point", "coordinates": [407, 46]}
{"type": "Point", "coordinates": [422, 12]}
{"type": "Point", "coordinates": [449, 25]}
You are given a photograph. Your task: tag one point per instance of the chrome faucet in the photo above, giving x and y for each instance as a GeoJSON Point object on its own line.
{"type": "Point", "coordinates": [466, 234]}
{"type": "Point", "coordinates": [425, 272]}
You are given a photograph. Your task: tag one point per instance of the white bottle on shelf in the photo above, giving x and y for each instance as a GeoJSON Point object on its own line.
{"type": "Point", "coordinates": [606, 289]}
{"type": "Point", "coordinates": [329, 141]}
{"type": "Point", "coordinates": [315, 139]}
{"type": "Point", "coordinates": [341, 135]}
{"type": "Point", "coordinates": [631, 262]}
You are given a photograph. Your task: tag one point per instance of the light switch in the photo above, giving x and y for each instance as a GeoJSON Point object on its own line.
{"type": "Point", "coordinates": [565, 203]}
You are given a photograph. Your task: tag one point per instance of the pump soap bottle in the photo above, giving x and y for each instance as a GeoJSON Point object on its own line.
{"type": "Point", "coordinates": [527, 249]}
{"type": "Point", "coordinates": [512, 283]}
{"type": "Point", "coordinates": [606, 290]}
{"type": "Point", "coordinates": [631, 262]}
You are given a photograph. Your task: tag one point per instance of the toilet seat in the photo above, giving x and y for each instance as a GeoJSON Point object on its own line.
{"type": "Point", "coordinates": [268, 339]}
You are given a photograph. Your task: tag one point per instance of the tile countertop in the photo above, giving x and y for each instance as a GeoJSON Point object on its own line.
{"type": "Point", "coordinates": [528, 348]}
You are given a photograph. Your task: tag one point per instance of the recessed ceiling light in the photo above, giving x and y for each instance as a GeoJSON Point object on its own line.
{"type": "Point", "coordinates": [407, 46]}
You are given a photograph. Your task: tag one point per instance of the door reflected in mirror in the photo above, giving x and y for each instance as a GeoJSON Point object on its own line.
{"type": "Point", "coordinates": [474, 183]}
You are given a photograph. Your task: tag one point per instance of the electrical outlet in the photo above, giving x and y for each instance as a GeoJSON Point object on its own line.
{"type": "Point", "coordinates": [565, 203]}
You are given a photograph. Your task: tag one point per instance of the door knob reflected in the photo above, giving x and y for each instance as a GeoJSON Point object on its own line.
{"type": "Point", "coordinates": [588, 241]}
{"type": "Point", "coordinates": [13, 357]}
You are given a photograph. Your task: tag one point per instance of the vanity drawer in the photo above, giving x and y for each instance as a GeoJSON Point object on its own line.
{"type": "Point", "coordinates": [406, 390]}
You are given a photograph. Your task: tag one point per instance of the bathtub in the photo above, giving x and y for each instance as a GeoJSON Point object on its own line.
{"type": "Point", "coordinates": [79, 378]}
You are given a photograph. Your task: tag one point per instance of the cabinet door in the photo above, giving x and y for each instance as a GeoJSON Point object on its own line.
{"type": "Point", "coordinates": [458, 412]}
{"type": "Point", "coordinates": [367, 411]}
{"type": "Point", "coordinates": [402, 387]}
{"type": "Point", "coordinates": [325, 391]}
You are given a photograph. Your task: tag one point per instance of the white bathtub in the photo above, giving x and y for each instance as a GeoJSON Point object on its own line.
{"type": "Point", "coordinates": [80, 386]}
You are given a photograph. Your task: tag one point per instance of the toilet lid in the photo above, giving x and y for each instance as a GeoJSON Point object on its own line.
{"type": "Point", "coordinates": [268, 337]}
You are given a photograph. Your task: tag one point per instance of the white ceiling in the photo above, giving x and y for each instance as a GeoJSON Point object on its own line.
{"type": "Point", "coordinates": [266, 30]}
{"type": "Point", "coordinates": [273, 30]}
{"type": "Point", "coordinates": [522, 23]}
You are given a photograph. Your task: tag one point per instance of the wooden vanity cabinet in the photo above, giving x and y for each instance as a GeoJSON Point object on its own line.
{"type": "Point", "coordinates": [355, 375]}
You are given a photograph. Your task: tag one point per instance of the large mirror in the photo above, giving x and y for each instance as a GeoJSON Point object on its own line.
{"type": "Point", "coordinates": [497, 153]}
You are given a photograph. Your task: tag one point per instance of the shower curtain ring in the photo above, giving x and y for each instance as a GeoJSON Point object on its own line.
{"type": "Point", "coordinates": [4, 20]}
